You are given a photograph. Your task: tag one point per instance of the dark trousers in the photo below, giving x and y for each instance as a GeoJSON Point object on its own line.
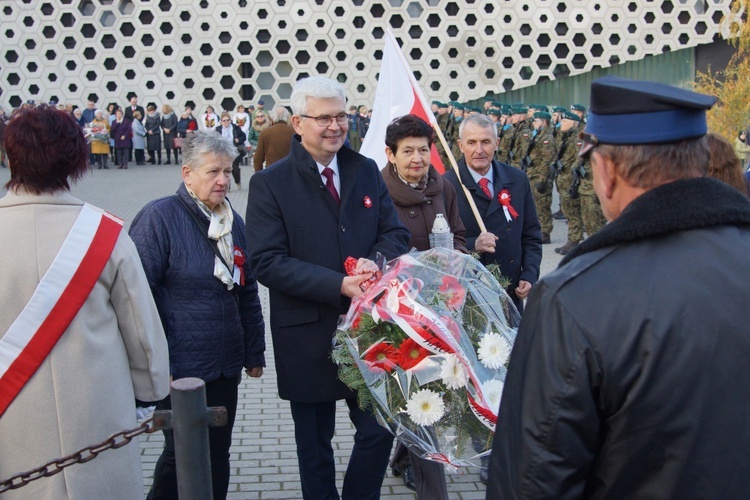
{"type": "Point", "coordinates": [314, 425]}
{"type": "Point", "coordinates": [121, 157]}
{"type": "Point", "coordinates": [429, 476]}
{"type": "Point", "coordinates": [140, 157]}
{"type": "Point", "coordinates": [222, 392]}
{"type": "Point", "coordinates": [236, 169]}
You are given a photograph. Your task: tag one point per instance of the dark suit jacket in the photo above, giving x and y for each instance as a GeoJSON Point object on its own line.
{"type": "Point", "coordinates": [273, 145]}
{"type": "Point", "coordinates": [128, 112]}
{"type": "Point", "coordinates": [238, 140]}
{"type": "Point", "coordinates": [519, 247]}
{"type": "Point", "coordinates": [298, 239]}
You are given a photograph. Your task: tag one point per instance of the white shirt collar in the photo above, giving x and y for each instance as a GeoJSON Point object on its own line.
{"type": "Point", "coordinates": [476, 176]}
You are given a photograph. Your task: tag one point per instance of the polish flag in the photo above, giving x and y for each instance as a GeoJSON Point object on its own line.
{"type": "Point", "coordinates": [397, 94]}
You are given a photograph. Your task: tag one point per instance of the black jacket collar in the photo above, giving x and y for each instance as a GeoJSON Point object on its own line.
{"type": "Point", "coordinates": [676, 206]}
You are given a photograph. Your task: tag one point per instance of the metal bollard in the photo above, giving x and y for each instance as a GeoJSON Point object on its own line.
{"type": "Point", "coordinates": [189, 419]}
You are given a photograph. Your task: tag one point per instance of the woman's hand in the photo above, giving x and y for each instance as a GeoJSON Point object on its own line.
{"type": "Point", "coordinates": [254, 372]}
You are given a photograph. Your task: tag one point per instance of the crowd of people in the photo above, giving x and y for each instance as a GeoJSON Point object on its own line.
{"type": "Point", "coordinates": [602, 398]}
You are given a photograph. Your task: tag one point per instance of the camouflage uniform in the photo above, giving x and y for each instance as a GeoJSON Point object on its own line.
{"type": "Point", "coordinates": [571, 208]}
{"type": "Point", "coordinates": [504, 146]}
{"type": "Point", "coordinates": [543, 153]}
{"type": "Point", "coordinates": [524, 132]}
{"type": "Point", "coordinates": [455, 149]}
{"type": "Point", "coordinates": [591, 210]}
{"type": "Point", "coordinates": [442, 121]}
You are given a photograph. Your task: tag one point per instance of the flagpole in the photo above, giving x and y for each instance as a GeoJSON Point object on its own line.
{"type": "Point", "coordinates": [438, 132]}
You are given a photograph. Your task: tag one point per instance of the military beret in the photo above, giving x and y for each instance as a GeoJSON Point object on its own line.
{"type": "Point", "coordinates": [559, 109]}
{"type": "Point", "coordinates": [458, 105]}
{"type": "Point", "coordinates": [627, 111]}
{"type": "Point", "coordinates": [489, 99]}
{"type": "Point", "coordinates": [497, 104]}
{"type": "Point", "coordinates": [442, 105]}
{"type": "Point", "coordinates": [542, 115]}
{"type": "Point", "coordinates": [506, 110]}
{"type": "Point", "coordinates": [452, 103]}
{"type": "Point", "coordinates": [578, 107]}
{"type": "Point", "coordinates": [567, 115]}
{"type": "Point", "coordinates": [495, 112]}
{"type": "Point", "coordinates": [436, 103]}
{"type": "Point", "coordinates": [520, 110]}
{"type": "Point", "coordinates": [542, 107]}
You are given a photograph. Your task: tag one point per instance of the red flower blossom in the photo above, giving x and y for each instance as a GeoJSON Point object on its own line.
{"type": "Point", "coordinates": [410, 354]}
{"type": "Point", "coordinates": [454, 290]}
{"type": "Point", "coordinates": [381, 356]}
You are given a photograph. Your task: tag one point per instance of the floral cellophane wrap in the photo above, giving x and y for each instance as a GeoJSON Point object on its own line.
{"type": "Point", "coordinates": [426, 349]}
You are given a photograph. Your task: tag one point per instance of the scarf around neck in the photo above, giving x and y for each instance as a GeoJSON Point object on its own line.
{"type": "Point", "coordinates": [221, 220]}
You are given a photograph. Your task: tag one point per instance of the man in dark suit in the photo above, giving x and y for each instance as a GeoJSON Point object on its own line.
{"type": "Point", "coordinates": [513, 238]}
{"type": "Point", "coordinates": [305, 216]}
{"type": "Point", "coordinates": [274, 141]}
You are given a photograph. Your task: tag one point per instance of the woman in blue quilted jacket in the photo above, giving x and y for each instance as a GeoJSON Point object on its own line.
{"type": "Point", "coordinates": [193, 249]}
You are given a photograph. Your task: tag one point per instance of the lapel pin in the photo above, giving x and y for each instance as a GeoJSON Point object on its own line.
{"type": "Point", "coordinates": [367, 202]}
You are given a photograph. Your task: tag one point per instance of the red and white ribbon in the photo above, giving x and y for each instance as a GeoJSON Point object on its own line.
{"type": "Point", "coordinates": [57, 299]}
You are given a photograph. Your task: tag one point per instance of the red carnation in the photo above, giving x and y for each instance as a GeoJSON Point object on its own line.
{"type": "Point", "coordinates": [456, 294]}
{"type": "Point", "coordinates": [410, 354]}
{"type": "Point", "coordinates": [381, 356]}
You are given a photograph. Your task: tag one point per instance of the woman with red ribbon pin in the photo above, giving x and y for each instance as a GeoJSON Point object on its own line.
{"type": "Point", "coordinates": [193, 248]}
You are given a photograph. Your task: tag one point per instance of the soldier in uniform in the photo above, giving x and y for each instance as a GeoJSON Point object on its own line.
{"type": "Point", "coordinates": [458, 116]}
{"type": "Point", "coordinates": [541, 153]}
{"type": "Point", "coordinates": [580, 110]}
{"type": "Point", "coordinates": [443, 119]}
{"type": "Point", "coordinates": [569, 145]}
{"type": "Point", "coordinates": [523, 135]}
{"type": "Point", "coordinates": [557, 114]}
{"type": "Point", "coordinates": [591, 211]}
{"type": "Point", "coordinates": [505, 136]}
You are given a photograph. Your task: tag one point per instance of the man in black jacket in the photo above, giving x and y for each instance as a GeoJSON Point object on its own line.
{"type": "Point", "coordinates": [305, 216]}
{"type": "Point", "coordinates": [630, 375]}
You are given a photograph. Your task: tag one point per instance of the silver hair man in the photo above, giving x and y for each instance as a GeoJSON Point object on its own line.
{"type": "Point", "coordinates": [318, 87]}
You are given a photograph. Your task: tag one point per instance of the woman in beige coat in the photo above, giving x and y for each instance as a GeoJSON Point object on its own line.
{"type": "Point", "coordinates": [111, 353]}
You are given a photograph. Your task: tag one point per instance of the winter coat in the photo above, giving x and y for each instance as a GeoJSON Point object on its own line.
{"type": "Point", "coordinates": [122, 132]}
{"type": "Point", "coordinates": [301, 239]}
{"type": "Point", "coordinates": [272, 145]}
{"type": "Point", "coordinates": [113, 352]}
{"type": "Point", "coordinates": [518, 250]}
{"type": "Point", "coordinates": [99, 128]}
{"type": "Point", "coordinates": [630, 375]}
{"type": "Point", "coordinates": [417, 210]}
{"type": "Point", "coordinates": [186, 124]}
{"type": "Point", "coordinates": [139, 135]}
{"type": "Point", "coordinates": [152, 124]}
{"type": "Point", "coordinates": [169, 122]}
{"type": "Point", "coordinates": [211, 331]}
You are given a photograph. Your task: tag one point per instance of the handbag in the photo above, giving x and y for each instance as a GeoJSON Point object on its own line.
{"type": "Point", "coordinates": [178, 143]}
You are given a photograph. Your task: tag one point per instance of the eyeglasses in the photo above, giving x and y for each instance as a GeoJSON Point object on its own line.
{"type": "Point", "coordinates": [326, 120]}
{"type": "Point", "coordinates": [226, 120]}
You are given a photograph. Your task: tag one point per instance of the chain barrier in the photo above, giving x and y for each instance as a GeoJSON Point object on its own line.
{"type": "Point", "coordinates": [83, 455]}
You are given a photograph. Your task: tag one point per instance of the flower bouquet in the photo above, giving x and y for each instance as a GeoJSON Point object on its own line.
{"type": "Point", "coordinates": [426, 349]}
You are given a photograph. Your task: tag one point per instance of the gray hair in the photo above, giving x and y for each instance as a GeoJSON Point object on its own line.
{"type": "Point", "coordinates": [318, 87]}
{"type": "Point", "coordinates": [649, 165]}
{"type": "Point", "coordinates": [209, 143]}
{"type": "Point", "coordinates": [280, 114]}
{"type": "Point", "coordinates": [479, 120]}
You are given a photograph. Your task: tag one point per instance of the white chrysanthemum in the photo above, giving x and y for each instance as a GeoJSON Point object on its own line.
{"type": "Point", "coordinates": [453, 373]}
{"type": "Point", "coordinates": [493, 391]}
{"type": "Point", "coordinates": [493, 350]}
{"type": "Point", "coordinates": [425, 407]}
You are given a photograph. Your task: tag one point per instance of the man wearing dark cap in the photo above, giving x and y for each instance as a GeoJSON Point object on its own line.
{"type": "Point", "coordinates": [630, 376]}
{"type": "Point", "coordinates": [567, 152]}
{"type": "Point", "coordinates": [540, 154]}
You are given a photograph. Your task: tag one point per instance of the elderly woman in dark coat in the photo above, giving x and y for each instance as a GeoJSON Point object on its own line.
{"type": "Point", "coordinates": [417, 189]}
{"type": "Point", "coordinates": [122, 133]}
{"type": "Point", "coordinates": [193, 248]}
{"type": "Point", "coordinates": [419, 193]}
{"type": "Point", "coordinates": [169, 130]}
{"type": "Point", "coordinates": [153, 134]}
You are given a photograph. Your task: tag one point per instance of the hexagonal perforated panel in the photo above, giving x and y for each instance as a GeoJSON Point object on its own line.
{"type": "Point", "coordinates": [223, 52]}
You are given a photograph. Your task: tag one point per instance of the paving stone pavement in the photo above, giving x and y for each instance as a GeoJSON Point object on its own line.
{"type": "Point", "coordinates": [264, 462]}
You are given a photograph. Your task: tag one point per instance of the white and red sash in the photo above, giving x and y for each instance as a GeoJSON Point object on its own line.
{"type": "Point", "coordinates": [57, 299]}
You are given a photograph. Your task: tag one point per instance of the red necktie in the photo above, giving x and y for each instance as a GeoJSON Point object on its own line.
{"type": "Point", "coordinates": [330, 186]}
{"type": "Point", "coordinates": [484, 184]}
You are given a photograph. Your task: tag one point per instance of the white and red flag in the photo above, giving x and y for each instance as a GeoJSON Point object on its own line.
{"type": "Point", "coordinates": [397, 94]}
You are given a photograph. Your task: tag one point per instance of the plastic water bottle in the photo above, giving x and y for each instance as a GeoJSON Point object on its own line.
{"type": "Point", "coordinates": [441, 235]}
